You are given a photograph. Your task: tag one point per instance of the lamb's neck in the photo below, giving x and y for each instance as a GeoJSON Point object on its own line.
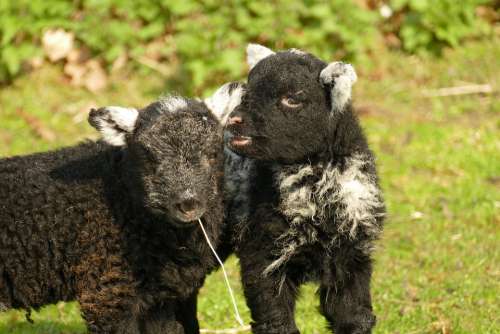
{"type": "Point", "coordinates": [344, 138]}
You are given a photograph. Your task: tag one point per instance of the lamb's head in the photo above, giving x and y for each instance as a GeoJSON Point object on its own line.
{"type": "Point", "coordinates": [290, 104]}
{"type": "Point", "coordinates": [172, 155]}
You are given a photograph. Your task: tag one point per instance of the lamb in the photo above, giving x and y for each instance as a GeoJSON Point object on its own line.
{"type": "Point", "coordinates": [113, 223]}
{"type": "Point", "coordinates": [314, 206]}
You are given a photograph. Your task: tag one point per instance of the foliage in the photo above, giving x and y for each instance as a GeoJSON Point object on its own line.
{"type": "Point", "coordinates": [431, 25]}
{"type": "Point", "coordinates": [207, 37]}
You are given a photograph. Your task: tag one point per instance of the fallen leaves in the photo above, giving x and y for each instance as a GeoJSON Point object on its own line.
{"type": "Point", "coordinates": [57, 44]}
{"type": "Point", "coordinates": [95, 78]}
{"type": "Point", "coordinates": [76, 73]}
{"type": "Point", "coordinates": [90, 75]}
{"type": "Point", "coordinates": [82, 70]}
{"type": "Point", "coordinates": [85, 72]}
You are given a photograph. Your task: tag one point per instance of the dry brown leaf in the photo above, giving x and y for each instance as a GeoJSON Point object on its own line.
{"type": "Point", "coordinates": [442, 326]}
{"type": "Point", "coordinates": [76, 72]}
{"type": "Point", "coordinates": [95, 78]}
{"type": "Point", "coordinates": [392, 40]}
{"type": "Point", "coordinates": [154, 49]}
{"type": "Point", "coordinates": [119, 62]}
{"type": "Point", "coordinates": [487, 13]}
{"type": "Point", "coordinates": [412, 292]}
{"type": "Point", "coordinates": [79, 55]}
{"type": "Point", "coordinates": [36, 125]}
{"type": "Point", "coordinates": [57, 43]}
{"type": "Point", "coordinates": [35, 62]}
{"type": "Point", "coordinates": [90, 74]}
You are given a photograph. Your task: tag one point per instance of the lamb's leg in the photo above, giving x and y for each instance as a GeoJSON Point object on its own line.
{"type": "Point", "coordinates": [106, 317]}
{"type": "Point", "coordinates": [186, 314]}
{"type": "Point", "coordinates": [119, 320]}
{"type": "Point", "coordinates": [345, 293]}
{"type": "Point", "coordinates": [108, 298]}
{"type": "Point", "coordinates": [271, 298]}
{"type": "Point", "coordinates": [162, 319]}
{"type": "Point", "coordinates": [5, 300]}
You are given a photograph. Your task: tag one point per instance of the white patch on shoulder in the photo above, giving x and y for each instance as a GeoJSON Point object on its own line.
{"type": "Point", "coordinates": [173, 103]}
{"type": "Point", "coordinates": [313, 197]}
{"type": "Point", "coordinates": [299, 204]}
{"type": "Point", "coordinates": [114, 123]}
{"type": "Point", "coordinates": [296, 199]}
{"type": "Point", "coordinates": [224, 100]}
{"type": "Point", "coordinates": [256, 53]}
{"type": "Point", "coordinates": [354, 194]}
{"type": "Point", "coordinates": [340, 77]}
{"type": "Point", "coordinates": [286, 181]}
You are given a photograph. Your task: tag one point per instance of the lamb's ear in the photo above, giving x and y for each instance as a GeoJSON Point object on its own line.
{"type": "Point", "coordinates": [225, 99]}
{"type": "Point", "coordinates": [339, 78]}
{"type": "Point", "coordinates": [256, 53]}
{"type": "Point", "coordinates": [114, 123]}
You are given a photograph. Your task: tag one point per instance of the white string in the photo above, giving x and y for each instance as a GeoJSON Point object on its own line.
{"type": "Point", "coordinates": [236, 312]}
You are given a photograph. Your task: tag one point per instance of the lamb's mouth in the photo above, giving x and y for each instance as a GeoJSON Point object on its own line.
{"type": "Point", "coordinates": [241, 141]}
{"type": "Point", "coordinates": [176, 217]}
{"type": "Point", "coordinates": [188, 219]}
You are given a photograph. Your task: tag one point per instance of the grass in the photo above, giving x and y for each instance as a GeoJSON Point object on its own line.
{"type": "Point", "coordinates": [437, 270]}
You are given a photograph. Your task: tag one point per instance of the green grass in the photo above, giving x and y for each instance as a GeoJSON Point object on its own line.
{"type": "Point", "coordinates": [437, 269]}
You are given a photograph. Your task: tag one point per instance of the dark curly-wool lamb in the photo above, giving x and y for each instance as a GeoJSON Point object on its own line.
{"type": "Point", "coordinates": [113, 223]}
{"type": "Point", "coordinates": [314, 207]}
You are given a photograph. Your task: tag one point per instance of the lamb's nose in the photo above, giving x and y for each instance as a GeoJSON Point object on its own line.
{"type": "Point", "coordinates": [235, 120]}
{"type": "Point", "coordinates": [190, 207]}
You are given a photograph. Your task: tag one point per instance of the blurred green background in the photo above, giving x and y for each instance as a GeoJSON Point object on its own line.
{"type": "Point", "coordinates": [427, 97]}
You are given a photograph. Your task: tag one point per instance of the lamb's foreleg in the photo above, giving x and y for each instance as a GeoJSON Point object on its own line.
{"type": "Point", "coordinates": [271, 298]}
{"type": "Point", "coordinates": [345, 293]}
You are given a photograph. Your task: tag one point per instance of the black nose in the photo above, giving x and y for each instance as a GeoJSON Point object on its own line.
{"type": "Point", "coordinates": [189, 207]}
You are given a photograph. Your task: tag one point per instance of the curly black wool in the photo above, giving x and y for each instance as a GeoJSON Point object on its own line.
{"type": "Point", "coordinates": [112, 223]}
{"type": "Point", "coordinates": [314, 208]}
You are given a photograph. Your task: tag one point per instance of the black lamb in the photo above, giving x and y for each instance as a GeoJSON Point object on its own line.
{"type": "Point", "coordinates": [314, 207]}
{"type": "Point", "coordinates": [114, 223]}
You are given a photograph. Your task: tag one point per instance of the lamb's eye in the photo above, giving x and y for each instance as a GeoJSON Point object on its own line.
{"type": "Point", "coordinates": [290, 102]}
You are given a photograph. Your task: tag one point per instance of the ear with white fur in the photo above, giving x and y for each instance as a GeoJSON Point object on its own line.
{"type": "Point", "coordinates": [339, 77]}
{"type": "Point", "coordinates": [256, 53]}
{"type": "Point", "coordinates": [225, 99]}
{"type": "Point", "coordinates": [114, 123]}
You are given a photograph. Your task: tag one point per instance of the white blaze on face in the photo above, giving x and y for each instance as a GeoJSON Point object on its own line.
{"type": "Point", "coordinates": [256, 53]}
